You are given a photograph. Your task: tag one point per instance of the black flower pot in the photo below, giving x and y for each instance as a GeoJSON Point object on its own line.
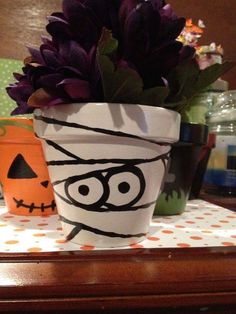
{"type": "Point", "coordinates": [184, 158]}
{"type": "Point", "coordinates": [198, 180]}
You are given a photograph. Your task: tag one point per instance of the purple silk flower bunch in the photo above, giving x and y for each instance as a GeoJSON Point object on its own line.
{"type": "Point", "coordinates": [105, 50]}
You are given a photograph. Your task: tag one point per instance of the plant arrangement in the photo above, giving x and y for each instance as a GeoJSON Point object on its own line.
{"type": "Point", "coordinates": [120, 51]}
{"type": "Point", "coordinates": [107, 157]}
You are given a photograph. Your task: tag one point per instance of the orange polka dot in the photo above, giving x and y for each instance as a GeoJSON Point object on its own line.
{"type": "Point", "coordinates": [190, 222]}
{"type": "Point", "coordinates": [207, 214]}
{"type": "Point", "coordinates": [3, 225]}
{"type": "Point", "coordinates": [19, 229]}
{"type": "Point", "coordinates": [39, 235]}
{"type": "Point", "coordinates": [155, 220]}
{"type": "Point", "coordinates": [153, 238]}
{"type": "Point", "coordinates": [43, 224]}
{"type": "Point", "coordinates": [200, 218]}
{"type": "Point", "coordinates": [61, 241]}
{"type": "Point", "coordinates": [11, 242]}
{"type": "Point", "coordinates": [136, 246]}
{"type": "Point", "coordinates": [167, 231]}
{"type": "Point", "coordinates": [9, 216]}
{"type": "Point", "coordinates": [216, 226]}
{"type": "Point", "coordinates": [196, 238]}
{"type": "Point", "coordinates": [87, 247]}
{"type": "Point", "coordinates": [34, 249]}
{"type": "Point", "coordinates": [228, 243]}
{"type": "Point", "coordinates": [179, 226]}
{"type": "Point", "coordinates": [230, 216]}
{"type": "Point", "coordinates": [206, 231]}
{"type": "Point", "coordinates": [233, 236]}
{"type": "Point", "coordinates": [59, 228]}
{"type": "Point", "coordinates": [24, 220]}
{"type": "Point", "coordinates": [224, 221]}
{"type": "Point", "coordinates": [183, 245]}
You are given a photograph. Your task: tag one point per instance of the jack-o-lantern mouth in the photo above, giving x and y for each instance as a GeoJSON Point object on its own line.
{"type": "Point", "coordinates": [32, 206]}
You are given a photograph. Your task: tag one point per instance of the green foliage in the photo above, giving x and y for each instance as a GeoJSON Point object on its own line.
{"type": "Point", "coordinates": [187, 80]}
{"type": "Point", "coordinates": [122, 84]}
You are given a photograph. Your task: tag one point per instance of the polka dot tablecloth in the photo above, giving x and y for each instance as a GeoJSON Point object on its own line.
{"type": "Point", "coordinates": [201, 225]}
{"type": "Point", "coordinates": [7, 67]}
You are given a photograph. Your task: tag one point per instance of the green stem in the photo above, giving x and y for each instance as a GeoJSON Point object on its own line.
{"type": "Point", "coordinates": [7, 122]}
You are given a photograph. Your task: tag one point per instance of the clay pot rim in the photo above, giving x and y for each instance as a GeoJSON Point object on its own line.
{"type": "Point", "coordinates": [193, 133]}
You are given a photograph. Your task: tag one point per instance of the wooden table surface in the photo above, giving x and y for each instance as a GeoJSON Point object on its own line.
{"type": "Point", "coordinates": [135, 281]}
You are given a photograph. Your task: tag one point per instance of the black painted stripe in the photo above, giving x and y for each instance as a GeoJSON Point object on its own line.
{"type": "Point", "coordinates": [113, 208]}
{"type": "Point", "coordinates": [98, 130]}
{"type": "Point", "coordinates": [20, 203]}
{"type": "Point", "coordinates": [62, 150]}
{"type": "Point", "coordinates": [132, 162]}
{"type": "Point", "coordinates": [79, 227]}
{"type": "Point", "coordinates": [77, 160]}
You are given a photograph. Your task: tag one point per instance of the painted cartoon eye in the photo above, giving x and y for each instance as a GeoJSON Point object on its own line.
{"type": "Point", "coordinates": [20, 169]}
{"type": "Point", "coordinates": [127, 185]}
{"type": "Point", "coordinates": [86, 191]}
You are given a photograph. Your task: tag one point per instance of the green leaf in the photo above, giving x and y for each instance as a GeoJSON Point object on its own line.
{"type": "Point", "coordinates": [107, 44]}
{"type": "Point", "coordinates": [211, 74]}
{"type": "Point", "coordinates": [181, 80]}
{"type": "Point", "coordinates": [121, 84]}
{"type": "Point", "coordinates": [8, 122]}
{"type": "Point", "coordinates": [195, 110]}
{"type": "Point", "coordinates": [154, 96]}
{"type": "Point", "coordinates": [187, 80]}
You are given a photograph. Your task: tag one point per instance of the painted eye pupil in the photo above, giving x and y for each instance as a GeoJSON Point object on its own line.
{"type": "Point", "coordinates": [83, 190]}
{"type": "Point", "coordinates": [124, 187]}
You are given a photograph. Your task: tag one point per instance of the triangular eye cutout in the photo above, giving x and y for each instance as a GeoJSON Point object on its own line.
{"type": "Point", "coordinates": [20, 169]}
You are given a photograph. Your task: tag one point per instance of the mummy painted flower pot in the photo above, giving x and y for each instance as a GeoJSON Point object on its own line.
{"type": "Point", "coordinates": [23, 173]}
{"type": "Point", "coordinates": [106, 163]}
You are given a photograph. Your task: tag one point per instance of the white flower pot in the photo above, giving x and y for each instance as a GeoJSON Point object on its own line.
{"type": "Point", "coordinates": [106, 163]}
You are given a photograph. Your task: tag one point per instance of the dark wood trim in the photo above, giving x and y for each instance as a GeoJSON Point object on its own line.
{"type": "Point", "coordinates": [120, 280]}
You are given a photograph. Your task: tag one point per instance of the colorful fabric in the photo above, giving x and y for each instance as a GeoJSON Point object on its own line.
{"type": "Point", "coordinates": [201, 225]}
{"type": "Point", "coordinates": [7, 67]}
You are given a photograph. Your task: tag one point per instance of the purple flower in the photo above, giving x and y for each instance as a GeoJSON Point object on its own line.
{"type": "Point", "coordinates": [64, 68]}
{"type": "Point", "coordinates": [20, 92]}
{"type": "Point", "coordinates": [146, 31]}
{"type": "Point", "coordinates": [150, 29]}
{"type": "Point", "coordinates": [55, 74]}
{"type": "Point", "coordinates": [83, 20]}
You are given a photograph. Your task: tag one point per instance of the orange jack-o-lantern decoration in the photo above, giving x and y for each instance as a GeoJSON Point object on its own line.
{"type": "Point", "coordinates": [23, 172]}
